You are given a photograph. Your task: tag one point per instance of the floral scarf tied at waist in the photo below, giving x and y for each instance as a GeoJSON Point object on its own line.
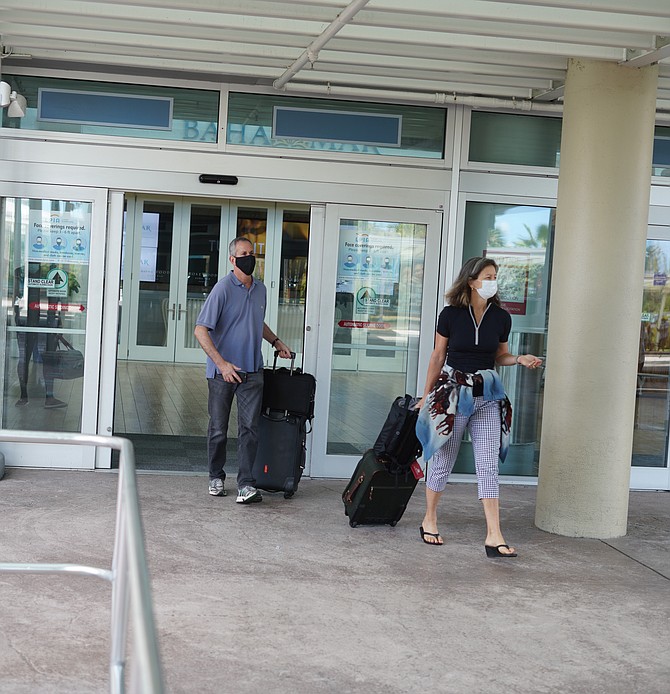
{"type": "Point", "coordinates": [452, 393]}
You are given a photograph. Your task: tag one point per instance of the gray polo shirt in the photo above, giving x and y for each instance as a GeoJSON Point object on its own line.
{"type": "Point", "coordinates": [234, 316]}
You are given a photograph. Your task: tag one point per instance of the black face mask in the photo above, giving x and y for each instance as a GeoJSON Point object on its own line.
{"type": "Point", "coordinates": [246, 263]}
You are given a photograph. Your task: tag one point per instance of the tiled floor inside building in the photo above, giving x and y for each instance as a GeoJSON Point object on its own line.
{"type": "Point", "coordinates": [162, 408]}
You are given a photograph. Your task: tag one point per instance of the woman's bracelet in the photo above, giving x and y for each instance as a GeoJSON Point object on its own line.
{"type": "Point", "coordinates": [516, 359]}
{"type": "Point", "coordinates": [275, 341]}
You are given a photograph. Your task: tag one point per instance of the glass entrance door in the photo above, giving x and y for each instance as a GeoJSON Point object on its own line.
{"type": "Point", "coordinates": [377, 325]}
{"type": "Point", "coordinates": [517, 234]}
{"type": "Point", "coordinates": [280, 234]}
{"type": "Point", "coordinates": [176, 250]}
{"type": "Point", "coordinates": [197, 272]}
{"type": "Point", "coordinates": [171, 262]}
{"type": "Point", "coordinates": [652, 406]}
{"type": "Point", "coordinates": [52, 238]}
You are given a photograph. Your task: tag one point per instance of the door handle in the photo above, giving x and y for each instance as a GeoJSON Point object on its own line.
{"type": "Point", "coordinates": [180, 310]}
{"type": "Point", "coordinates": [172, 310]}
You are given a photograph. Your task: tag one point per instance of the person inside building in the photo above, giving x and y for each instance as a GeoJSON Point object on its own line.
{"type": "Point", "coordinates": [32, 343]}
{"type": "Point", "coordinates": [230, 329]}
{"type": "Point", "coordinates": [463, 390]}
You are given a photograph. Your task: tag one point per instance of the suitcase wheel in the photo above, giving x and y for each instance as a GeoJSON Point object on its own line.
{"type": "Point", "coordinates": [393, 523]}
{"type": "Point", "coordinates": [288, 495]}
{"type": "Point", "coordinates": [353, 523]}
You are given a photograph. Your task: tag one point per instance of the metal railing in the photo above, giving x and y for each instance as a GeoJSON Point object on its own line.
{"type": "Point", "coordinates": [129, 576]}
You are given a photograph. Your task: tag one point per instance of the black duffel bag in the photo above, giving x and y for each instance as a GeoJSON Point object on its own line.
{"type": "Point", "coordinates": [65, 364]}
{"type": "Point", "coordinates": [288, 390]}
{"type": "Point", "coordinates": [397, 444]}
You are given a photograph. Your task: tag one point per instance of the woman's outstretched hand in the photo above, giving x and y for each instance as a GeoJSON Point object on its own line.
{"type": "Point", "coordinates": [530, 361]}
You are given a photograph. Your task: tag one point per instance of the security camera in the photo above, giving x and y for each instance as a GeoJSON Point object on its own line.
{"type": "Point", "coordinates": [5, 91]}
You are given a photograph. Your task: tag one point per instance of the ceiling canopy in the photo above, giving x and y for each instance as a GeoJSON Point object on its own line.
{"type": "Point", "coordinates": [416, 50]}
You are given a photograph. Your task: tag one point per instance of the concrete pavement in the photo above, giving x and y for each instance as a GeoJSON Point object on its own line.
{"type": "Point", "coordinates": [284, 596]}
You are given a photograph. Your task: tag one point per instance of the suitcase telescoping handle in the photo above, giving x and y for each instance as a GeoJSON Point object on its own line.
{"type": "Point", "coordinates": [274, 366]}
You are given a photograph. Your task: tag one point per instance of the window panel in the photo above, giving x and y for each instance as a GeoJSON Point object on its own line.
{"type": "Point", "coordinates": [194, 111]}
{"type": "Point", "coordinates": [518, 238]}
{"type": "Point", "coordinates": [250, 123]}
{"type": "Point", "coordinates": [503, 138]}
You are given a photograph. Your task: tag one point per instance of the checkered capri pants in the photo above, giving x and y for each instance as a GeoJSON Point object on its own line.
{"type": "Point", "coordinates": [484, 427]}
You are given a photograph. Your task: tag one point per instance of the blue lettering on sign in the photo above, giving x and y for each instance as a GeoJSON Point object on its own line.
{"type": "Point", "coordinates": [210, 133]}
{"type": "Point", "coordinates": [235, 134]}
{"type": "Point", "coordinates": [194, 130]}
{"type": "Point", "coordinates": [261, 136]}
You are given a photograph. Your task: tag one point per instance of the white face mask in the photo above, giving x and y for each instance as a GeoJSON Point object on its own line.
{"type": "Point", "coordinates": [488, 289]}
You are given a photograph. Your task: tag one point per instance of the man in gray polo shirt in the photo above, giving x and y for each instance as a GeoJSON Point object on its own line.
{"type": "Point", "coordinates": [230, 329]}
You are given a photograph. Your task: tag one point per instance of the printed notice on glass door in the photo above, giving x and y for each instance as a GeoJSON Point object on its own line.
{"type": "Point", "coordinates": [514, 268]}
{"type": "Point", "coordinates": [59, 237]}
{"type": "Point", "coordinates": [371, 260]}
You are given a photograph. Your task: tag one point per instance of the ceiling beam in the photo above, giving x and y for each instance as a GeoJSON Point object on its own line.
{"type": "Point", "coordinates": [552, 94]}
{"type": "Point", "coordinates": [512, 44]}
{"type": "Point", "coordinates": [658, 8]}
{"type": "Point", "coordinates": [436, 85]}
{"type": "Point", "coordinates": [636, 58]}
{"type": "Point", "coordinates": [419, 76]}
{"type": "Point", "coordinates": [311, 53]}
{"type": "Point", "coordinates": [445, 63]}
{"type": "Point", "coordinates": [558, 15]}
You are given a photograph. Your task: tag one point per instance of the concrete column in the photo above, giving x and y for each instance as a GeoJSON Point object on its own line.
{"type": "Point", "coordinates": [596, 298]}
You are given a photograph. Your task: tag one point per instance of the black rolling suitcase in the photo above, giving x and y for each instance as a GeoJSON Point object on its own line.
{"type": "Point", "coordinates": [375, 495]}
{"type": "Point", "coordinates": [280, 458]}
{"type": "Point", "coordinates": [286, 415]}
{"type": "Point", "coordinates": [386, 476]}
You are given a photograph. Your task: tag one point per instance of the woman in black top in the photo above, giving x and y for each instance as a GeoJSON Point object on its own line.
{"type": "Point", "coordinates": [464, 391]}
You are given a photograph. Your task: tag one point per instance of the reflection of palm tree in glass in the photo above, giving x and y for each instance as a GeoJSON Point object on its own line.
{"type": "Point", "coordinates": [655, 262]}
{"type": "Point", "coordinates": [496, 239]}
{"type": "Point", "coordinates": [537, 240]}
{"type": "Point", "coordinates": [655, 296]}
{"type": "Point", "coordinates": [655, 259]}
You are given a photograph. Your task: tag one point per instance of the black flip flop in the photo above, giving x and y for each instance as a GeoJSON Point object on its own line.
{"type": "Point", "coordinates": [435, 535]}
{"type": "Point", "coordinates": [495, 553]}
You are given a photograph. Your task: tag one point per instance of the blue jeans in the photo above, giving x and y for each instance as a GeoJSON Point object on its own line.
{"type": "Point", "coordinates": [249, 398]}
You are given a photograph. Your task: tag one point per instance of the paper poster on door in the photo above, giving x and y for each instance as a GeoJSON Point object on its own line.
{"type": "Point", "coordinates": [148, 246]}
{"type": "Point", "coordinates": [513, 268]}
{"type": "Point", "coordinates": [368, 260]}
{"type": "Point", "coordinates": [62, 237]}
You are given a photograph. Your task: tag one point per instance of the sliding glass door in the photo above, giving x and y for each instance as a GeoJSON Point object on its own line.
{"type": "Point", "coordinates": [51, 238]}
{"type": "Point", "coordinates": [377, 323]}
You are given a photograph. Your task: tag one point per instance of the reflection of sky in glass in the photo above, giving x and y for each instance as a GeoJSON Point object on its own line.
{"type": "Point", "coordinates": [511, 223]}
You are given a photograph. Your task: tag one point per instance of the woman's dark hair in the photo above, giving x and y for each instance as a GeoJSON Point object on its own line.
{"type": "Point", "coordinates": [459, 293]}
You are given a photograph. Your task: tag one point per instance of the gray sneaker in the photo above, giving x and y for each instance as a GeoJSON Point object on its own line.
{"type": "Point", "coordinates": [216, 487]}
{"type": "Point", "coordinates": [248, 495]}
